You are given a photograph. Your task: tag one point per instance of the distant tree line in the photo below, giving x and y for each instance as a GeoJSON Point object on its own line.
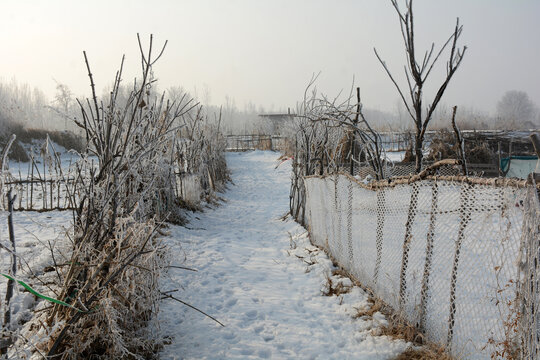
{"type": "Point", "coordinates": [21, 105]}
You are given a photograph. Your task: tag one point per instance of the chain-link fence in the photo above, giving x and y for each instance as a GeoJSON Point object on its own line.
{"type": "Point", "coordinates": [455, 256]}
{"type": "Point", "coordinates": [363, 170]}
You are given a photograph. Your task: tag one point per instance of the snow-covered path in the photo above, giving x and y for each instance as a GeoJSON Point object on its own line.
{"type": "Point", "coordinates": [252, 278]}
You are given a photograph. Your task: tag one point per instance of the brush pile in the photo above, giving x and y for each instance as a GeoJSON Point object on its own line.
{"type": "Point", "coordinates": [444, 146]}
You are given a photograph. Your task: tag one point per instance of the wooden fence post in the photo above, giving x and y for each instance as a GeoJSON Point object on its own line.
{"type": "Point", "coordinates": [535, 138]}
{"type": "Point", "coordinates": [11, 283]}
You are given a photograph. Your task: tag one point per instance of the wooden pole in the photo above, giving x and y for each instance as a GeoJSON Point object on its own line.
{"type": "Point", "coordinates": [5, 342]}
{"type": "Point", "coordinates": [500, 157]}
{"type": "Point", "coordinates": [535, 138]}
{"type": "Point", "coordinates": [11, 283]}
{"type": "Point", "coordinates": [460, 142]}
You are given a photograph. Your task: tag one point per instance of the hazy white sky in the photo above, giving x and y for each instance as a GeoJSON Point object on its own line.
{"type": "Point", "coordinates": [265, 51]}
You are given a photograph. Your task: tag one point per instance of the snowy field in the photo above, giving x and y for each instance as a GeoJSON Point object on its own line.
{"type": "Point", "coordinates": [36, 235]}
{"type": "Point", "coordinates": [260, 276]}
{"type": "Point", "coordinates": [395, 156]}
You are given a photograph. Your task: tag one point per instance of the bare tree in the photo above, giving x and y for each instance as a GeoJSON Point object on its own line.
{"type": "Point", "coordinates": [417, 74]}
{"type": "Point", "coordinates": [515, 108]}
{"type": "Point", "coordinates": [63, 103]}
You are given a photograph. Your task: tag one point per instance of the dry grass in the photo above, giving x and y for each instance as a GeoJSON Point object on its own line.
{"type": "Point", "coordinates": [402, 330]}
{"type": "Point", "coordinates": [341, 272]}
{"type": "Point", "coordinates": [421, 348]}
{"type": "Point", "coordinates": [399, 329]}
{"type": "Point", "coordinates": [424, 354]}
{"type": "Point", "coordinates": [335, 289]}
{"type": "Point", "coordinates": [444, 146]}
{"type": "Point", "coordinates": [67, 139]}
{"type": "Point", "coordinates": [376, 306]}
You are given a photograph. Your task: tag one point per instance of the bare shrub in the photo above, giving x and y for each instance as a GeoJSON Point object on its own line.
{"type": "Point", "coordinates": [334, 133]}
{"type": "Point", "coordinates": [124, 187]}
{"type": "Point", "coordinates": [409, 156]}
{"type": "Point", "coordinates": [200, 149]}
{"type": "Point", "coordinates": [117, 257]}
{"type": "Point", "coordinates": [479, 153]}
{"type": "Point", "coordinates": [432, 353]}
{"type": "Point", "coordinates": [287, 147]}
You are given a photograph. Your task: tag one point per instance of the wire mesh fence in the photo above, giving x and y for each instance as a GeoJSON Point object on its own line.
{"type": "Point", "coordinates": [363, 170]}
{"type": "Point", "coordinates": [457, 257]}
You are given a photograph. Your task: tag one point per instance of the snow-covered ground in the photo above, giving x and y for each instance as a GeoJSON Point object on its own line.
{"type": "Point", "coordinates": [260, 276]}
{"type": "Point", "coordinates": [36, 234]}
{"type": "Point", "coordinates": [395, 156]}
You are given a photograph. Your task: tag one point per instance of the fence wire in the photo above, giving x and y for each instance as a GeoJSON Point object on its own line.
{"type": "Point", "coordinates": [457, 259]}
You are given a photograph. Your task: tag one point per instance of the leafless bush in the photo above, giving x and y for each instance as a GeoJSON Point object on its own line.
{"type": "Point", "coordinates": [331, 133]}
{"type": "Point", "coordinates": [200, 150]}
{"type": "Point", "coordinates": [137, 145]}
{"type": "Point", "coordinates": [116, 260]}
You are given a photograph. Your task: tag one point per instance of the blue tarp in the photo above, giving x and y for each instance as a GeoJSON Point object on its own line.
{"type": "Point", "coordinates": [519, 166]}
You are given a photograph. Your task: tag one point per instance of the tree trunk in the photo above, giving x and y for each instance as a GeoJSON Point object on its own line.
{"type": "Point", "coordinates": [418, 153]}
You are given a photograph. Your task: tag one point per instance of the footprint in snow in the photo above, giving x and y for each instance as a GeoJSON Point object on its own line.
{"type": "Point", "coordinates": [252, 314]}
{"type": "Point", "coordinates": [246, 351]}
{"type": "Point", "coordinates": [265, 354]}
{"type": "Point", "coordinates": [260, 278]}
{"type": "Point", "coordinates": [229, 335]}
{"type": "Point", "coordinates": [258, 329]}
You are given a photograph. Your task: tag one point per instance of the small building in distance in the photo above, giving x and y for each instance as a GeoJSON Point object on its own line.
{"type": "Point", "coordinates": [276, 121]}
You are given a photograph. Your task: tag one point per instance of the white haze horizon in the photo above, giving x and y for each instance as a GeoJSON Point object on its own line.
{"type": "Point", "coordinates": [264, 52]}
